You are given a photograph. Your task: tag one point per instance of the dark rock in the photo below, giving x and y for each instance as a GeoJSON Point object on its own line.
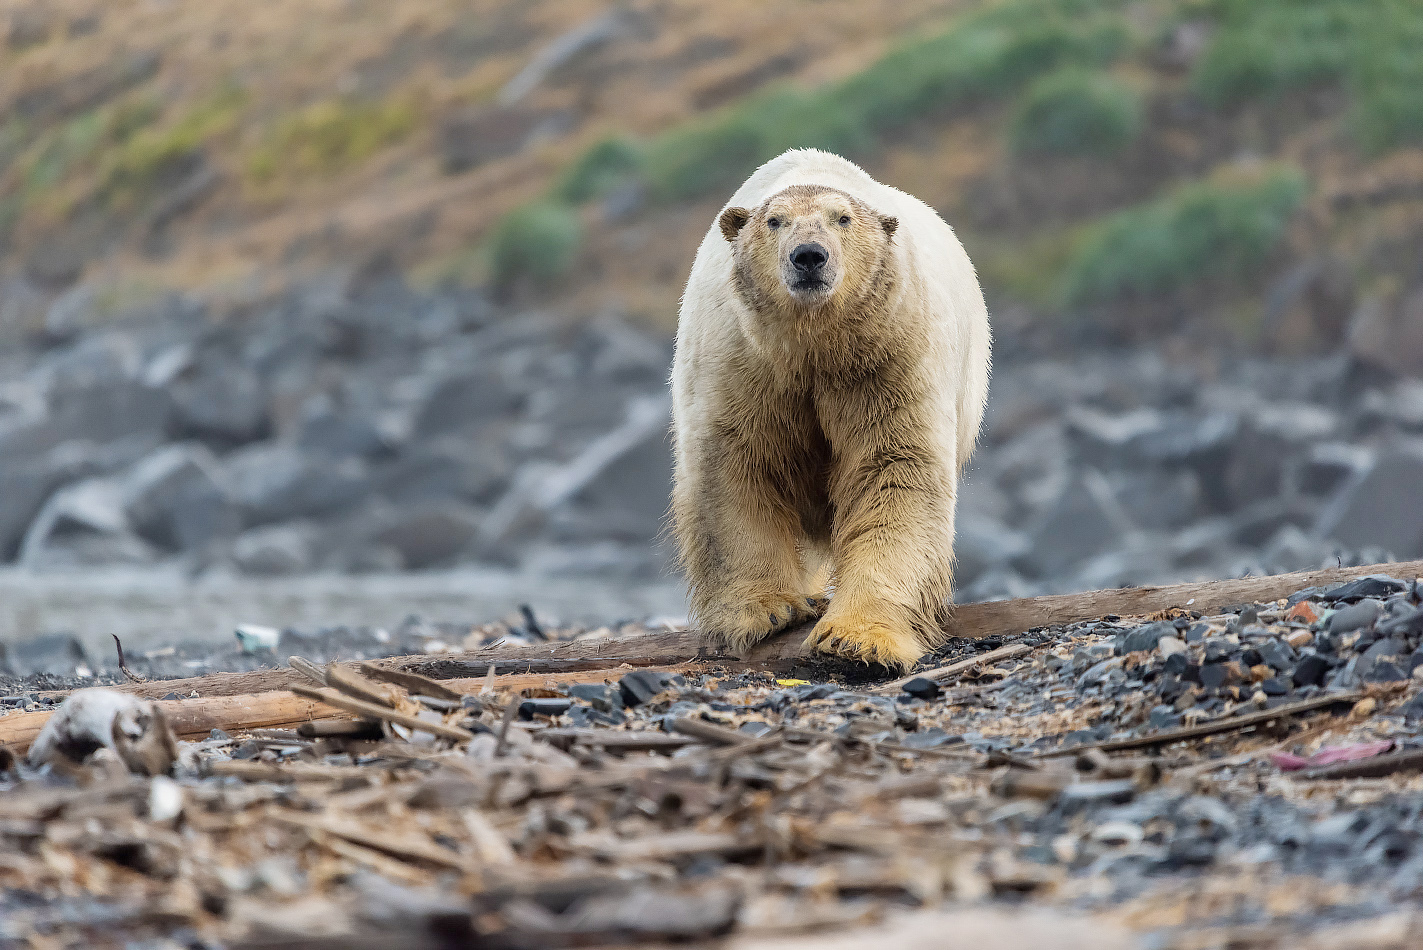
{"type": "Point", "coordinates": [1214, 675]}
{"type": "Point", "coordinates": [1160, 499]}
{"type": "Point", "coordinates": [339, 431]}
{"type": "Point", "coordinates": [921, 688]}
{"type": "Point", "coordinates": [598, 695]}
{"type": "Point", "coordinates": [639, 686]}
{"type": "Point", "coordinates": [1083, 521]}
{"type": "Point", "coordinates": [1406, 622]}
{"type": "Point", "coordinates": [1256, 469]}
{"type": "Point", "coordinates": [463, 402]}
{"type": "Point", "coordinates": [1384, 672]}
{"type": "Point", "coordinates": [1218, 650]}
{"type": "Point", "coordinates": [1163, 717]}
{"type": "Point", "coordinates": [1144, 638]}
{"type": "Point", "coordinates": [815, 691]}
{"type": "Point", "coordinates": [547, 706]}
{"type": "Point", "coordinates": [431, 534]}
{"type": "Point", "coordinates": [584, 716]}
{"type": "Point", "coordinates": [176, 499]}
{"type": "Point", "coordinates": [1373, 586]}
{"type": "Point", "coordinates": [1310, 670]}
{"type": "Point", "coordinates": [930, 739]}
{"type": "Point", "coordinates": [1274, 686]}
{"type": "Point", "coordinates": [445, 468]}
{"type": "Point", "coordinates": [1277, 654]}
{"type": "Point", "coordinates": [1354, 617]}
{"type": "Point", "coordinates": [221, 400]}
{"type": "Point", "coordinates": [1380, 506]}
{"type": "Point", "coordinates": [1176, 664]}
{"type": "Point", "coordinates": [52, 654]}
{"type": "Point", "coordinates": [1328, 467]}
{"type": "Point", "coordinates": [626, 497]}
{"type": "Point", "coordinates": [275, 550]}
{"type": "Point", "coordinates": [275, 482]}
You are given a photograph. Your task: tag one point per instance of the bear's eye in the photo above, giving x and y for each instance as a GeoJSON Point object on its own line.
{"type": "Point", "coordinates": [844, 220]}
{"type": "Point", "coordinates": [773, 223]}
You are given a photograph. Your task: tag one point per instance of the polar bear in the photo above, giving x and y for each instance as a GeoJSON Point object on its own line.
{"type": "Point", "coordinates": [830, 376]}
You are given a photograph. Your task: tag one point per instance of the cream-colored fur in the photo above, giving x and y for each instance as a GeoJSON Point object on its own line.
{"type": "Point", "coordinates": [825, 424]}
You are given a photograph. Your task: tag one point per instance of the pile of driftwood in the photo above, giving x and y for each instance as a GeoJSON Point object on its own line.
{"type": "Point", "coordinates": [640, 791]}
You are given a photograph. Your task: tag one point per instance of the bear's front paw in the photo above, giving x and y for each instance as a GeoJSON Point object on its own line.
{"type": "Point", "coordinates": [865, 638]}
{"type": "Point", "coordinates": [746, 621]}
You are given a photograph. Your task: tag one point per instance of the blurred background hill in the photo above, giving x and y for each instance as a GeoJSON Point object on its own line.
{"type": "Point", "coordinates": [359, 286]}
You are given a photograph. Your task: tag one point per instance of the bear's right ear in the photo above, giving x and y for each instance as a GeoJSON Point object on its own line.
{"type": "Point", "coordinates": [731, 222]}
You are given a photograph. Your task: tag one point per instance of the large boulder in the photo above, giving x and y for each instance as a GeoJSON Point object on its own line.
{"type": "Point", "coordinates": [275, 481]}
{"type": "Point", "coordinates": [617, 488]}
{"type": "Point", "coordinates": [465, 401]}
{"type": "Point", "coordinates": [1388, 334]}
{"type": "Point", "coordinates": [177, 498]}
{"type": "Point", "coordinates": [1083, 521]}
{"type": "Point", "coordinates": [275, 550]}
{"type": "Point", "coordinates": [220, 400]}
{"type": "Point", "coordinates": [101, 413]}
{"type": "Point", "coordinates": [445, 468]}
{"type": "Point", "coordinates": [1381, 506]}
{"type": "Point", "coordinates": [84, 524]}
{"type": "Point", "coordinates": [432, 534]}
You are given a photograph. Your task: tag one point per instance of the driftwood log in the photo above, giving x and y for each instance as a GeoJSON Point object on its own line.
{"type": "Point", "coordinates": [261, 698]}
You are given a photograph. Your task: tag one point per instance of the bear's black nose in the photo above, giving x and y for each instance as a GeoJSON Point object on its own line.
{"type": "Point", "coordinates": [809, 257]}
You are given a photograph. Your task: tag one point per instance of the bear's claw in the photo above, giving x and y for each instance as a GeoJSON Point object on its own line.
{"type": "Point", "coordinates": [862, 638]}
{"type": "Point", "coordinates": [743, 624]}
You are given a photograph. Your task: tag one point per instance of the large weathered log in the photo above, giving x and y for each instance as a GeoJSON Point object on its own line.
{"type": "Point", "coordinates": [194, 718]}
{"type": "Point", "coordinates": [784, 650]}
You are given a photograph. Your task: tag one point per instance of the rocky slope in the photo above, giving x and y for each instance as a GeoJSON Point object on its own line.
{"type": "Point", "coordinates": [358, 426]}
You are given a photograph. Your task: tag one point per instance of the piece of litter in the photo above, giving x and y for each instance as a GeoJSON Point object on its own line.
{"type": "Point", "coordinates": [255, 637]}
{"type": "Point", "coordinates": [1287, 762]}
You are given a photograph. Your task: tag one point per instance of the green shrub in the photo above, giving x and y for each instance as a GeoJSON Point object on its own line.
{"type": "Point", "coordinates": [1224, 227]}
{"type": "Point", "coordinates": [1387, 78]}
{"type": "Point", "coordinates": [1076, 111]}
{"type": "Point", "coordinates": [536, 243]}
{"type": "Point", "coordinates": [599, 170]}
{"type": "Point", "coordinates": [331, 136]}
{"type": "Point", "coordinates": [991, 54]}
{"type": "Point", "coordinates": [719, 152]}
{"type": "Point", "coordinates": [1264, 48]}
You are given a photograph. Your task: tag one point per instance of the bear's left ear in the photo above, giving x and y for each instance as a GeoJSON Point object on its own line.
{"type": "Point", "coordinates": [889, 222]}
{"type": "Point", "coordinates": [731, 222]}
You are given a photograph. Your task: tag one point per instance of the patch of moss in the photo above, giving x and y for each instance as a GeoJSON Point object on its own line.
{"type": "Point", "coordinates": [1223, 228]}
{"type": "Point", "coordinates": [331, 136]}
{"type": "Point", "coordinates": [146, 156]}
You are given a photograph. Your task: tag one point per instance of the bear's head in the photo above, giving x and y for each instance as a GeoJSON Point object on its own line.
{"type": "Point", "coordinates": [807, 246]}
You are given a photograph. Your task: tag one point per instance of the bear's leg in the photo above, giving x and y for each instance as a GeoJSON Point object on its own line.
{"type": "Point", "coordinates": [893, 549]}
{"type": "Point", "coordinates": [738, 540]}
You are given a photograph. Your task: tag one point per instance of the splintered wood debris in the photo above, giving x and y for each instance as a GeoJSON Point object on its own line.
{"type": "Point", "coordinates": [1246, 778]}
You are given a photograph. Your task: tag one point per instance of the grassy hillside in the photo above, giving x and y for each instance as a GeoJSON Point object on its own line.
{"type": "Point", "coordinates": [1131, 164]}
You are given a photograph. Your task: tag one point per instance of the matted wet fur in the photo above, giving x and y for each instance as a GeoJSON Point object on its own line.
{"type": "Point", "coordinates": [824, 410]}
